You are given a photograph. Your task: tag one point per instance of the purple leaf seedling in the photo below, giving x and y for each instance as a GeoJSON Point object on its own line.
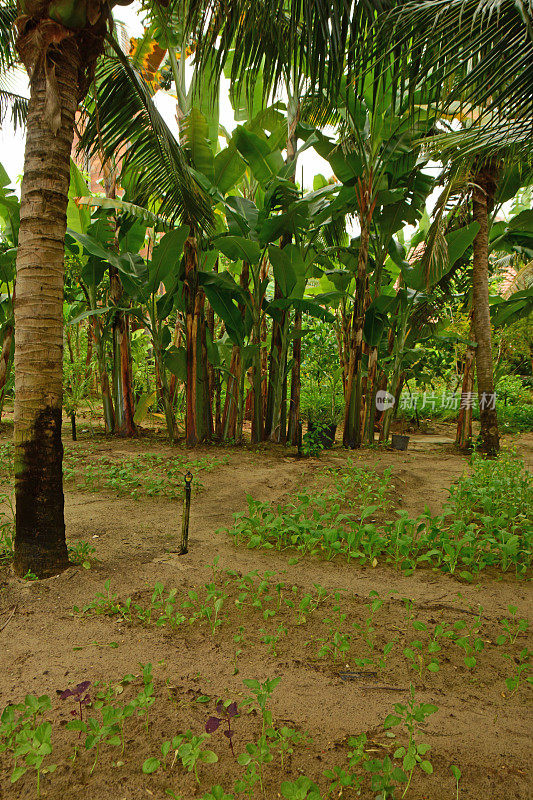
{"type": "Point", "coordinates": [226, 711]}
{"type": "Point", "coordinates": [82, 696]}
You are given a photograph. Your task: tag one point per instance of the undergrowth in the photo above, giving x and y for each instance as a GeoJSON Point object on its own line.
{"type": "Point", "coordinates": [485, 522]}
{"type": "Point", "coordinates": [145, 475]}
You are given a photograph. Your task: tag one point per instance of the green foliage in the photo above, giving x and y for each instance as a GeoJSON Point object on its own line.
{"type": "Point", "coordinates": [496, 497]}
{"type": "Point", "coordinates": [313, 522]}
{"type": "Point", "coordinates": [145, 475]}
{"type": "Point", "coordinates": [484, 524]}
{"type": "Point", "coordinates": [27, 736]}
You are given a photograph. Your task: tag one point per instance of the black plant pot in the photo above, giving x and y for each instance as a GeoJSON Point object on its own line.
{"type": "Point", "coordinates": [324, 433]}
{"type": "Point", "coordinates": [399, 442]}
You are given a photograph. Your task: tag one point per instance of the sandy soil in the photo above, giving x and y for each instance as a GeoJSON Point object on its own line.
{"type": "Point", "coordinates": [479, 725]}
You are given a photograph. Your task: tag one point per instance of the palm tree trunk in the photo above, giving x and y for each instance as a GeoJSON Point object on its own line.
{"type": "Point", "coordinates": [40, 544]}
{"type": "Point", "coordinates": [482, 204]}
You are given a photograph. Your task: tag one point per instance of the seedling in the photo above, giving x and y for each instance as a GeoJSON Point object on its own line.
{"type": "Point", "coordinates": [411, 716]}
{"type": "Point", "coordinates": [302, 789]}
{"type": "Point", "coordinates": [81, 554]}
{"type": "Point", "coordinates": [226, 711]}
{"type": "Point", "coordinates": [255, 755]}
{"type": "Point", "coordinates": [385, 777]}
{"type": "Point", "coordinates": [520, 664]}
{"type": "Point", "coordinates": [272, 639]}
{"type": "Point", "coordinates": [286, 738]}
{"type": "Point", "coordinates": [32, 745]}
{"type": "Point", "coordinates": [217, 793]}
{"type": "Point", "coordinates": [104, 603]}
{"type": "Point", "coordinates": [97, 734]}
{"type": "Point", "coordinates": [82, 697]}
{"type": "Point", "coordinates": [188, 748]}
{"type": "Point", "coordinates": [513, 627]}
{"type": "Point", "coordinates": [469, 641]}
{"type": "Point", "coordinates": [262, 693]}
{"type": "Point", "coordinates": [456, 772]}
{"type": "Point", "coordinates": [145, 699]}
{"type": "Point", "coordinates": [367, 630]}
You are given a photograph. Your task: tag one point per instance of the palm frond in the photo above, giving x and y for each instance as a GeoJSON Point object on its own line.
{"type": "Point", "coordinates": [125, 124]}
{"type": "Point", "coordinates": [10, 98]}
{"type": "Point", "coordinates": [8, 53]}
{"type": "Point", "coordinates": [16, 104]}
{"type": "Point", "coordinates": [474, 53]}
{"type": "Point", "coordinates": [487, 136]}
{"type": "Point", "coordinates": [316, 37]}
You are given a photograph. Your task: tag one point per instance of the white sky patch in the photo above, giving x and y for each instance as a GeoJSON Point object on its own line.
{"type": "Point", "coordinates": [12, 143]}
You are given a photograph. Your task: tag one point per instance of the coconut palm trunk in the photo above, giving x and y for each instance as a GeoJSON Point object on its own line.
{"type": "Point", "coordinates": [40, 544]}
{"type": "Point", "coordinates": [485, 180]}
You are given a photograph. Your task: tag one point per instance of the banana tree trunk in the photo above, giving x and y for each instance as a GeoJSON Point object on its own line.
{"type": "Point", "coordinates": [122, 373]}
{"type": "Point", "coordinates": [352, 411]}
{"type": "Point", "coordinates": [396, 381]}
{"type": "Point", "coordinates": [234, 398]}
{"type": "Point", "coordinates": [40, 544]}
{"type": "Point", "coordinates": [274, 365]}
{"type": "Point", "coordinates": [229, 417]}
{"type": "Point", "coordinates": [482, 204]}
{"type": "Point", "coordinates": [277, 421]}
{"type": "Point", "coordinates": [463, 438]}
{"type": "Point", "coordinates": [103, 378]}
{"type": "Point", "coordinates": [258, 430]}
{"type": "Point", "coordinates": [198, 418]}
{"type": "Point", "coordinates": [296, 383]}
{"type": "Point", "coordinates": [176, 341]}
{"type": "Point", "coordinates": [370, 406]}
{"type": "Point", "coordinates": [165, 396]}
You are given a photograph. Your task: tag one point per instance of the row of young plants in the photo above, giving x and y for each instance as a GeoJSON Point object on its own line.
{"type": "Point", "coordinates": [485, 522]}
{"type": "Point", "coordinates": [144, 475]}
{"type": "Point", "coordinates": [254, 610]}
{"type": "Point", "coordinates": [100, 719]}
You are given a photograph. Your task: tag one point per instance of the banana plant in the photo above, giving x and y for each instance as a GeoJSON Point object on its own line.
{"type": "Point", "coordinates": [162, 268]}
{"type": "Point", "coordinates": [398, 309]}
{"type": "Point", "coordinates": [252, 231]}
{"type": "Point", "coordinates": [381, 169]}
